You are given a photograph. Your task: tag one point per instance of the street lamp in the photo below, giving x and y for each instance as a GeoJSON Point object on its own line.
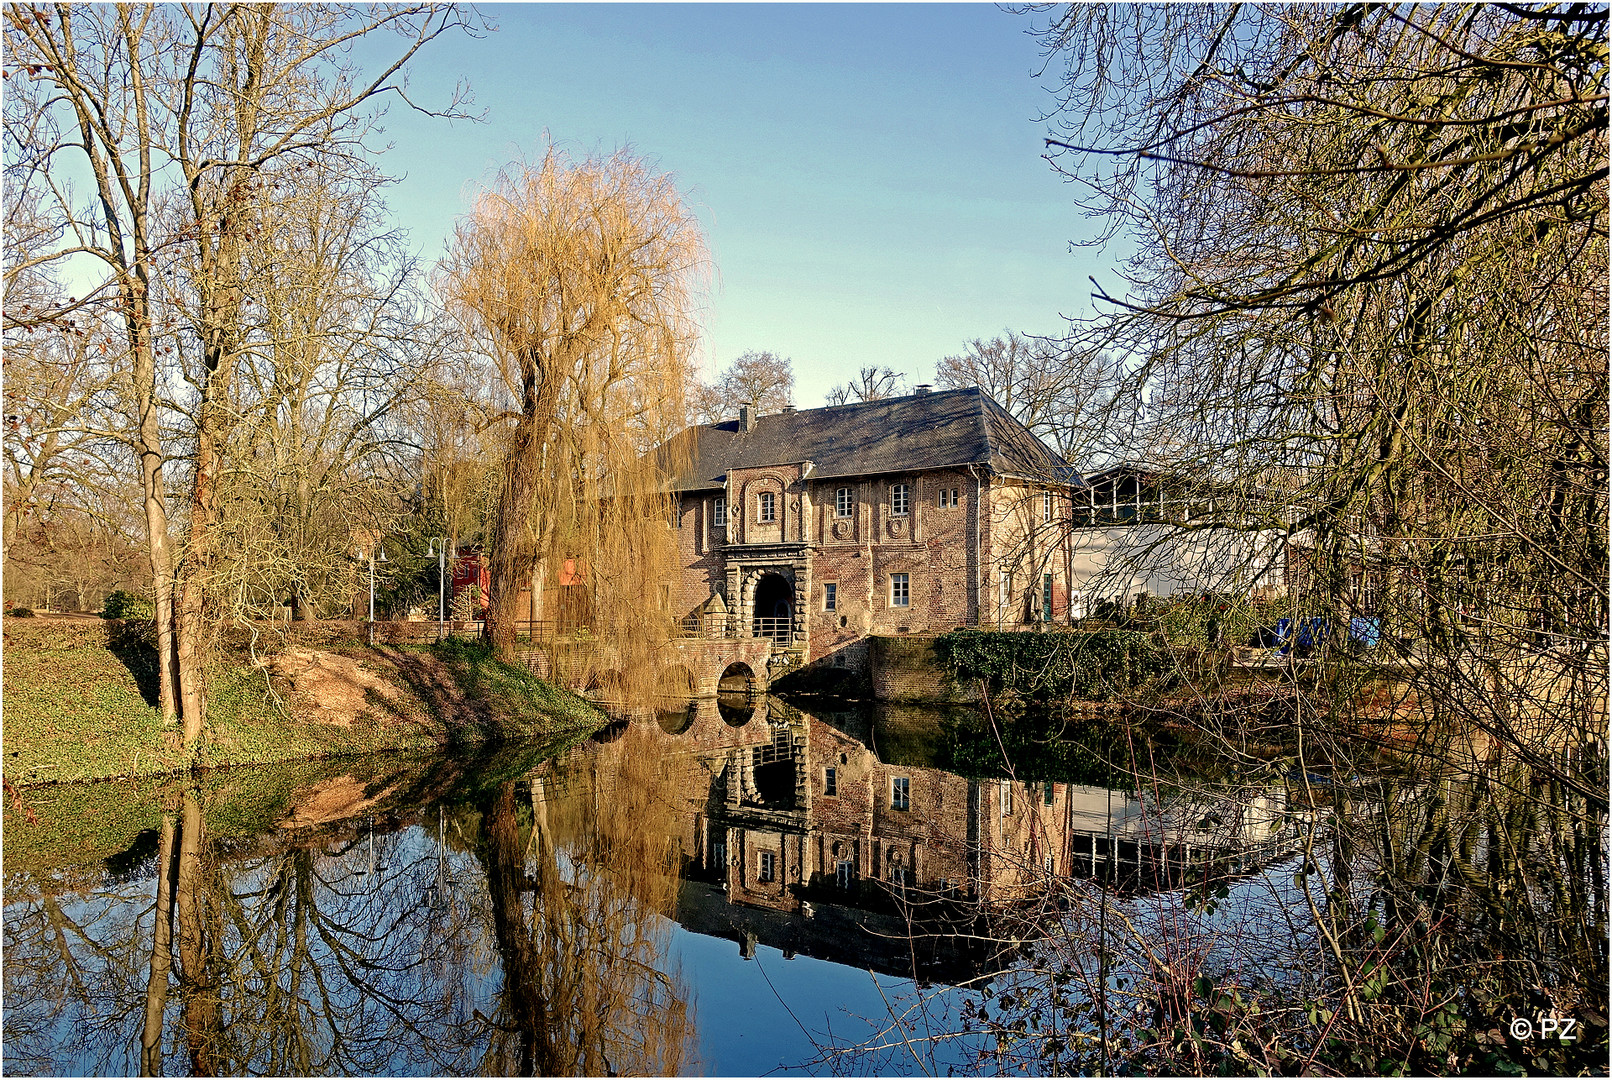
{"type": "Point", "coordinates": [375, 552]}
{"type": "Point", "coordinates": [439, 548]}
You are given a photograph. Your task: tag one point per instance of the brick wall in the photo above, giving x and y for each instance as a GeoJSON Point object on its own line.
{"type": "Point", "coordinates": [909, 669]}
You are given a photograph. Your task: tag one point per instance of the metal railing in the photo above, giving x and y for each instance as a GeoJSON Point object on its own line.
{"type": "Point", "coordinates": [780, 630]}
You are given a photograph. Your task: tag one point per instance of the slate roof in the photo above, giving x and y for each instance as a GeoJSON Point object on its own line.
{"type": "Point", "coordinates": [906, 434]}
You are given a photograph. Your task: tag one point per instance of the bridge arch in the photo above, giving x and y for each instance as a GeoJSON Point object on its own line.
{"type": "Point", "coordinates": [678, 721]}
{"type": "Point", "coordinates": [738, 678]}
{"type": "Point", "coordinates": [677, 683]}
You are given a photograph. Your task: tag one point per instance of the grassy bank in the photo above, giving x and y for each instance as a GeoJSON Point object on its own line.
{"type": "Point", "coordinates": [80, 703]}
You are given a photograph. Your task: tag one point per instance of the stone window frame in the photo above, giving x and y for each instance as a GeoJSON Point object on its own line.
{"type": "Point", "coordinates": [844, 502]}
{"type": "Point", "coordinates": [1005, 798]}
{"type": "Point", "coordinates": [831, 595]}
{"type": "Point", "coordinates": [766, 507]}
{"type": "Point", "coordinates": [901, 590]}
{"type": "Point", "coordinates": [900, 500]}
{"type": "Point", "coordinates": [767, 867]}
{"type": "Point", "coordinates": [900, 793]}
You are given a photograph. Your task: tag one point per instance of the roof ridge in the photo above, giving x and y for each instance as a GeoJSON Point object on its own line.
{"type": "Point", "coordinates": [981, 397]}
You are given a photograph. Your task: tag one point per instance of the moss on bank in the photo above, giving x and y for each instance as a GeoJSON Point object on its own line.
{"type": "Point", "coordinates": [80, 704]}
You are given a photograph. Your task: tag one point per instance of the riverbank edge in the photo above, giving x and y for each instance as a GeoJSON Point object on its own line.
{"type": "Point", "coordinates": [79, 703]}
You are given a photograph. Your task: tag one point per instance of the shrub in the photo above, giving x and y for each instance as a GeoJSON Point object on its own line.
{"type": "Point", "coordinates": [127, 605]}
{"type": "Point", "coordinates": [21, 613]}
{"type": "Point", "coordinates": [1081, 665]}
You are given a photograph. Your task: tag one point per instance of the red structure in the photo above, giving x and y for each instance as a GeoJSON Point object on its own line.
{"type": "Point", "coordinates": [470, 569]}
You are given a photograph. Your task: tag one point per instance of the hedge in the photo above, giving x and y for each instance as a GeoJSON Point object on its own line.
{"type": "Point", "coordinates": [1086, 665]}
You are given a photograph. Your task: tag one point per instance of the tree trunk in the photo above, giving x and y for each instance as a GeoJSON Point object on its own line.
{"type": "Point", "coordinates": [161, 954]}
{"type": "Point", "coordinates": [514, 553]}
{"type": "Point", "coordinates": [201, 1018]}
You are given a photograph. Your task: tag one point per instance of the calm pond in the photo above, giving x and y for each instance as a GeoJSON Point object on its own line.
{"type": "Point", "coordinates": [736, 889]}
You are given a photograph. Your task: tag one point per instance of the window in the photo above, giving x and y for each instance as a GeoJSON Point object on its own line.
{"type": "Point", "coordinates": [1046, 506]}
{"type": "Point", "coordinates": [898, 876]}
{"type": "Point", "coordinates": [830, 781]}
{"type": "Point", "coordinates": [719, 853]}
{"type": "Point", "coordinates": [830, 596]}
{"type": "Point", "coordinates": [898, 793]}
{"type": "Point", "coordinates": [1050, 864]}
{"type": "Point", "coordinates": [719, 512]}
{"type": "Point", "coordinates": [899, 595]}
{"type": "Point", "coordinates": [1004, 595]}
{"type": "Point", "coordinates": [769, 867]}
{"type": "Point", "coordinates": [947, 499]}
{"type": "Point", "coordinates": [1046, 793]}
{"type": "Point", "coordinates": [1046, 597]}
{"type": "Point", "coordinates": [900, 499]}
{"type": "Point", "coordinates": [766, 507]}
{"type": "Point", "coordinates": [1007, 797]}
{"type": "Point", "coordinates": [844, 873]}
{"type": "Point", "coordinates": [843, 503]}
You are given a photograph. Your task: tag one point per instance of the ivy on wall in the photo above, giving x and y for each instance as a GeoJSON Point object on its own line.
{"type": "Point", "coordinates": [1077, 665]}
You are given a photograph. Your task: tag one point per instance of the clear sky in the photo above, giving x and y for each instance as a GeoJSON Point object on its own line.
{"type": "Point", "coordinates": [870, 176]}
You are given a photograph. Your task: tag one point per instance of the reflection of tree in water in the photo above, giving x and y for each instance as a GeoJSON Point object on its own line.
{"type": "Point", "coordinates": [318, 957]}
{"type": "Point", "coordinates": [580, 908]}
{"type": "Point", "coordinates": [361, 946]}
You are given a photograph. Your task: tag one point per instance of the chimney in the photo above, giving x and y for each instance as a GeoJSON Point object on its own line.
{"type": "Point", "coordinates": [920, 390]}
{"type": "Point", "coordinates": [788, 409]}
{"type": "Point", "coordinates": [747, 416]}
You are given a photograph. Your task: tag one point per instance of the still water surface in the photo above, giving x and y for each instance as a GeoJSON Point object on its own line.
{"type": "Point", "coordinates": [725, 891]}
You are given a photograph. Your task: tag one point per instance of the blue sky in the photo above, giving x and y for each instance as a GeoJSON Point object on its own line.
{"type": "Point", "coordinates": [870, 176]}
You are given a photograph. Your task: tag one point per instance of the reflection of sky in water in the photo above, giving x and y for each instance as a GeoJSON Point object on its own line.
{"type": "Point", "coordinates": [413, 916]}
{"type": "Point", "coordinates": [767, 1014]}
{"type": "Point", "coordinates": [750, 1014]}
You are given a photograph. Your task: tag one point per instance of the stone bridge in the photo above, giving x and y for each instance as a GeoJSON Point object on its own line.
{"type": "Point", "coordinates": [729, 664]}
{"type": "Point", "coordinates": [696, 667]}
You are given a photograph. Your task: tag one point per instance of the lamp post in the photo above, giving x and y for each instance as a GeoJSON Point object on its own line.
{"type": "Point", "coordinates": [439, 548]}
{"type": "Point", "coordinates": [374, 551]}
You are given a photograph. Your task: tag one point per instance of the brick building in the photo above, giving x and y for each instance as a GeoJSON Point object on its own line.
{"type": "Point", "coordinates": [917, 514]}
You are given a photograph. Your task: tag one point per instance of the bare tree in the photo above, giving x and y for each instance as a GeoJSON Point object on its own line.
{"type": "Point", "coordinates": [1058, 393]}
{"type": "Point", "coordinates": [871, 384]}
{"type": "Point", "coordinates": [1370, 288]}
{"type": "Point", "coordinates": [580, 281]}
{"type": "Point", "coordinates": [763, 378]}
{"type": "Point", "coordinates": [187, 121]}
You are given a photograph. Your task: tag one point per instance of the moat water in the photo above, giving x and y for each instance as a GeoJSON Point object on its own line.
{"type": "Point", "coordinates": [734, 889]}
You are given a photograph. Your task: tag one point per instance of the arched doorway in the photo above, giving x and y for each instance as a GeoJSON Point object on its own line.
{"type": "Point", "coordinates": [773, 609]}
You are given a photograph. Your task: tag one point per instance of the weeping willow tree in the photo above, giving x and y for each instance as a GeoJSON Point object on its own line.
{"type": "Point", "coordinates": [581, 910]}
{"type": "Point", "coordinates": [580, 280]}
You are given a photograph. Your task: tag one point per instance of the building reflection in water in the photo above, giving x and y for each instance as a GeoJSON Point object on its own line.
{"type": "Point", "coordinates": [792, 831]}
{"type": "Point", "coordinates": [478, 914]}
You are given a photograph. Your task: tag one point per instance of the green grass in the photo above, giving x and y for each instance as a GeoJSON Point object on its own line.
{"type": "Point", "coordinates": [77, 709]}
{"type": "Point", "coordinates": [522, 702]}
